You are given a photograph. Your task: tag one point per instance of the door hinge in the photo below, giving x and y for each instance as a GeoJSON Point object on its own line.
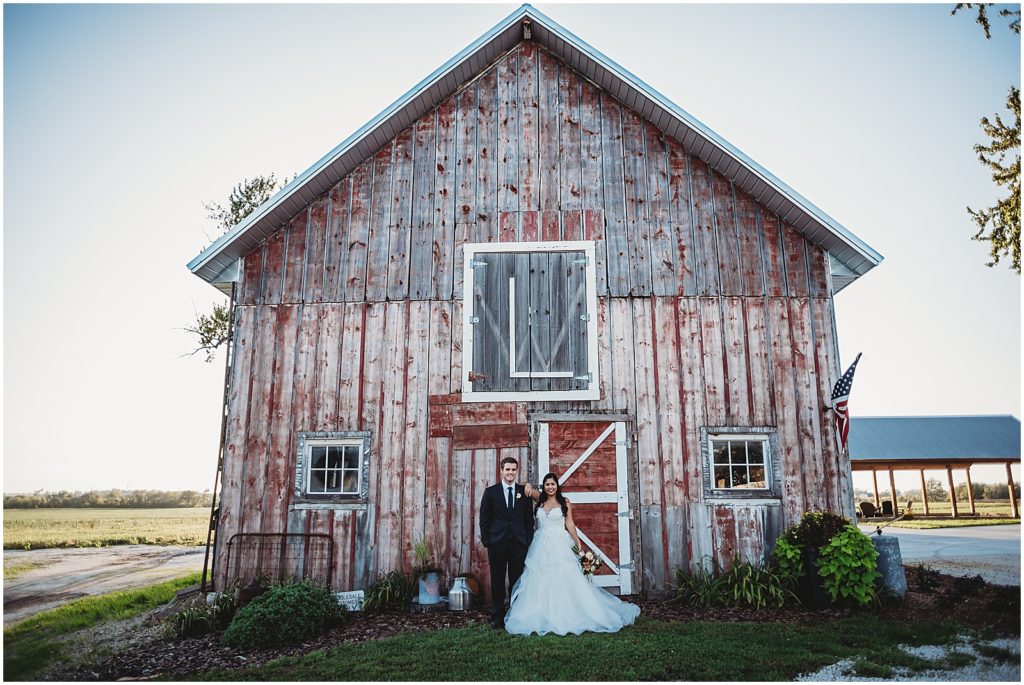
{"type": "Point", "coordinates": [584, 317]}
{"type": "Point", "coordinates": [623, 443]}
{"type": "Point", "coordinates": [474, 263]}
{"type": "Point", "coordinates": [474, 319]}
{"type": "Point", "coordinates": [628, 565]}
{"type": "Point", "coordinates": [585, 261]}
{"type": "Point", "coordinates": [589, 378]}
{"type": "Point", "coordinates": [625, 514]}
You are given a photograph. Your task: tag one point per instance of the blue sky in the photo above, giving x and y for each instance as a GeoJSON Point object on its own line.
{"type": "Point", "coordinates": [121, 120]}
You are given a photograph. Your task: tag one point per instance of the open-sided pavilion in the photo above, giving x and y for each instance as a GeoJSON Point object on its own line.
{"type": "Point", "coordinates": [924, 443]}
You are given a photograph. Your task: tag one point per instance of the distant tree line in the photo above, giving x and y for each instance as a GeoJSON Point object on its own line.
{"type": "Point", "coordinates": [938, 491]}
{"type": "Point", "coordinates": [128, 499]}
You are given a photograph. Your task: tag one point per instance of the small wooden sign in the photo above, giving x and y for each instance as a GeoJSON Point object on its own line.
{"type": "Point", "coordinates": [353, 601]}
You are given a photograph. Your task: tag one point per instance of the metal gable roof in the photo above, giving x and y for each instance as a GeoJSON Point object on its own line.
{"type": "Point", "coordinates": [849, 255]}
{"type": "Point", "coordinates": [927, 438]}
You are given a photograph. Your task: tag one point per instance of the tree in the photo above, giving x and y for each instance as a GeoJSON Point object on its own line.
{"type": "Point", "coordinates": [212, 329]}
{"type": "Point", "coordinates": [936, 490]}
{"type": "Point", "coordinates": [1000, 224]}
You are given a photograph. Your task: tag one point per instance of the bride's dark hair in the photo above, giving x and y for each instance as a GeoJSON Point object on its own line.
{"type": "Point", "coordinates": [558, 494]}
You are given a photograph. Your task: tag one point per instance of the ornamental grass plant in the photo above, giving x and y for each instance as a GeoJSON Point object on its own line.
{"type": "Point", "coordinates": [285, 615]}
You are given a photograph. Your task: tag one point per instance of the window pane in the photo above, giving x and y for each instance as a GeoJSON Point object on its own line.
{"type": "Point", "coordinates": [319, 456]}
{"type": "Point", "coordinates": [721, 476]}
{"type": "Point", "coordinates": [721, 452]}
{"type": "Point", "coordinates": [334, 454]}
{"type": "Point", "coordinates": [737, 453]}
{"type": "Point", "coordinates": [351, 482]}
{"type": "Point", "coordinates": [739, 476]}
{"type": "Point", "coordinates": [316, 481]}
{"type": "Point", "coordinates": [334, 481]}
{"type": "Point", "coordinates": [351, 456]}
{"type": "Point", "coordinates": [757, 477]}
{"type": "Point", "coordinates": [755, 451]}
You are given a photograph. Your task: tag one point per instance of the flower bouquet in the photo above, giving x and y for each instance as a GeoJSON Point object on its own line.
{"type": "Point", "coordinates": [589, 562]}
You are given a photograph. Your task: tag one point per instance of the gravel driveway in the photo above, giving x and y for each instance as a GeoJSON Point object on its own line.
{"type": "Point", "coordinates": [992, 552]}
{"type": "Point", "coordinates": [67, 574]}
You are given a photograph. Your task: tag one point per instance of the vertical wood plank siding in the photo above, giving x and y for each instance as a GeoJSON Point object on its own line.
{"type": "Point", "coordinates": [712, 312]}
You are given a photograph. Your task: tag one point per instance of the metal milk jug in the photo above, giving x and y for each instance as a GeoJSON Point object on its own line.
{"type": "Point", "coordinates": [459, 596]}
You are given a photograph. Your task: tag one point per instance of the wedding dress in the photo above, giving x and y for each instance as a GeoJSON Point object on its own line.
{"type": "Point", "coordinates": [553, 595]}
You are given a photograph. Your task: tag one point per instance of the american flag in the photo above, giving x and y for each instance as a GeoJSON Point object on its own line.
{"type": "Point", "coordinates": [840, 396]}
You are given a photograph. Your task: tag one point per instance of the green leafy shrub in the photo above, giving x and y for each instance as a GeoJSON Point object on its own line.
{"type": "Point", "coordinates": [815, 529]}
{"type": "Point", "coordinates": [789, 559]}
{"type": "Point", "coordinates": [393, 590]}
{"type": "Point", "coordinates": [199, 618]}
{"type": "Point", "coordinates": [848, 567]}
{"type": "Point", "coordinates": [284, 615]}
{"type": "Point", "coordinates": [754, 585]}
{"type": "Point", "coordinates": [702, 588]}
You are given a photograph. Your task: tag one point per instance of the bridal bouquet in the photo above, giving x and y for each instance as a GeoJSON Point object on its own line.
{"type": "Point", "coordinates": [589, 561]}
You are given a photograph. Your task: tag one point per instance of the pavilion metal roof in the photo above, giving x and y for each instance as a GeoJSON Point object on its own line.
{"type": "Point", "coordinates": [849, 256]}
{"type": "Point", "coordinates": [930, 438]}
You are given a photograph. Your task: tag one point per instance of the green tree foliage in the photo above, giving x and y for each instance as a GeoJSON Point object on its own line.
{"type": "Point", "coordinates": [999, 225]}
{"type": "Point", "coordinates": [126, 499]}
{"type": "Point", "coordinates": [212, 329]}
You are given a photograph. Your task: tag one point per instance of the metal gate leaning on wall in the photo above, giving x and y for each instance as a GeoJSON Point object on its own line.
{"type": "Point", "coordinates": [595, 461]}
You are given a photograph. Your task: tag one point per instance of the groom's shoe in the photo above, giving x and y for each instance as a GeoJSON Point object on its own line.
{"type": "Point", "coordinates": [497, 624]}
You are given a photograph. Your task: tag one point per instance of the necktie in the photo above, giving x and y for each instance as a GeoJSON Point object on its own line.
{"type": "Point", "coordinates": [509, 498]}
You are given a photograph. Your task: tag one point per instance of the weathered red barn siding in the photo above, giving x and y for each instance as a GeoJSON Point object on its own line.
{"type": "Point", "coordinates": [712, 312]}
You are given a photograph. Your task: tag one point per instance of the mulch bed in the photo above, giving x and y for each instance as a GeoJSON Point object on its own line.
{"type": "Point", "coordinates": [931, 596]}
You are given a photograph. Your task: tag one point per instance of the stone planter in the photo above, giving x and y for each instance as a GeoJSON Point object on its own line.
{"type": "Point", "coordinates": [890, 565]}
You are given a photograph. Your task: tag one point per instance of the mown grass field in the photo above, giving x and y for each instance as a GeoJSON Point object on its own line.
{"type": "Point", "coordinates": [44, 528]}
{"type": "Point", "coordinates": [650, 650]}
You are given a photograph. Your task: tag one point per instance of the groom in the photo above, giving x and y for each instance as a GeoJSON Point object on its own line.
{"type": "Point", "coordinates": [506, 529]}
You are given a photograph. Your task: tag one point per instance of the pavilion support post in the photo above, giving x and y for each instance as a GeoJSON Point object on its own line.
{"type": "Point", "coordinates": [1013, 494]}
{"type": "Point", "coordinates": [892, 493]}
{"type": "Point", "coordinates": [924, 493]}
{"type": "Point", "coordinates": [874, 479]}
{"type": "Point", "coordinates": [970, 491]}
{"type": "Point", "coordinates": [952, 492]}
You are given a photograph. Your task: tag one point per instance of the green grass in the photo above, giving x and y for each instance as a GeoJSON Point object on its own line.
{"type": "Point", "coordinates": [44, 528]}
{"type": "Point", "coordinates": [13, 569]}
{"type": "Point", "coordinates": [31, 645]}
{"type": "Point", "coordinates": [650, 650]}
{"type": "Point", "coordinates": [998, 653]}
{"type": "Point", "coordinates": [921, 524]}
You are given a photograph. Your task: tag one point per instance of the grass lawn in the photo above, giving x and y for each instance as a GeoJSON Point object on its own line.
{"type": "Point", "coordinates": [650, 650]}
{"type": "Point", "coordinates": [43, 528]}
{"type": "Point", "coordinates": [31, 645]}
{"type": "Point", "coordinates": [953, 523]}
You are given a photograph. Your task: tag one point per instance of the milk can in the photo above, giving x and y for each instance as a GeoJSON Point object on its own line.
{"type": "Point", "coordinates": [459, 597]}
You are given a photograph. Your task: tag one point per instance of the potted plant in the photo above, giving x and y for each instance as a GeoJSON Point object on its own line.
{"type": "Point", "coordinates": [429, 573]}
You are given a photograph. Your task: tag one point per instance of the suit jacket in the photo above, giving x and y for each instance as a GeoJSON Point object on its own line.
{"type": "Point", "coordinates": [498, 523]}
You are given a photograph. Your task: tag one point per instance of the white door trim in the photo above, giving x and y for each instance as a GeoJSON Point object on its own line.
{"type": "Point", "coordinates": [623, 576]}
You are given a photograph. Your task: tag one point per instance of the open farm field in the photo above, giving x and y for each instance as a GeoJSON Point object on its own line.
{"type": "Point", "coordinates": [1000, 508]}
{"type": "Point", "coordinates": [45, 528]}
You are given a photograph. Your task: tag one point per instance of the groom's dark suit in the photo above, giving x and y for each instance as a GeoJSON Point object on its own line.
{"type": "Point", "coordinates": [507, 533]}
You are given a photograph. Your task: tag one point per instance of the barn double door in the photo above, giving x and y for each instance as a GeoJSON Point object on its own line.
{"type": "Point", "coordinates": [591, 459]}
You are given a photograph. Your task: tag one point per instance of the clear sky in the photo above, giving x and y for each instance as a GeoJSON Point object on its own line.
{"type": "Point", "coordinates": [120, 121]}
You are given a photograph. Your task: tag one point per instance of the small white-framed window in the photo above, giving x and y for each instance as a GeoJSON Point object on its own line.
{"type": "Point", "coordinates": [332, 466]}
{"type": "Point", "coordinates": [530, 322]}
{"type": "Point", "coordinates": [740, 462]}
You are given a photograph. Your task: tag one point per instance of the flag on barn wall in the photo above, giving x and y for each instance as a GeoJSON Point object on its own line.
{"type": "Point", "coordinates": [840, 398]}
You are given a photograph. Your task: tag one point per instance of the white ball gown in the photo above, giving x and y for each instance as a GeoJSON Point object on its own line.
{"type": "Point", "coordinates": [553, 595]}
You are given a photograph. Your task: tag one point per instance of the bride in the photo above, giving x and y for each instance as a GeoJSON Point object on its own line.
{"type": "Point", "coordinates": [553, 595]}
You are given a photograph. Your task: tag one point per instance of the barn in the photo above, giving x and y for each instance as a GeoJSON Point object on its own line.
{"type": "Point", "coordinates": [530, 254]}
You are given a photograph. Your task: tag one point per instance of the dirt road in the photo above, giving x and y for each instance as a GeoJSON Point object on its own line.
{"type": "Point", "coordinates": [66, 574]}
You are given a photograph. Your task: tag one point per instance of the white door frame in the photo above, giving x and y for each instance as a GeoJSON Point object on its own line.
{"type": "Point", "coordinates": [623, 575]}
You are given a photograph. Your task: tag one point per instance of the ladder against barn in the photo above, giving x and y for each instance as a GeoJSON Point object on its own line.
{"type": "Point", "coordinates": [531, 254]}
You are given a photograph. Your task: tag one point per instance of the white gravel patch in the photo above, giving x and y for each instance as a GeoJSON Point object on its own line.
{"type": "Point", "coordinates": [984, 669]}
